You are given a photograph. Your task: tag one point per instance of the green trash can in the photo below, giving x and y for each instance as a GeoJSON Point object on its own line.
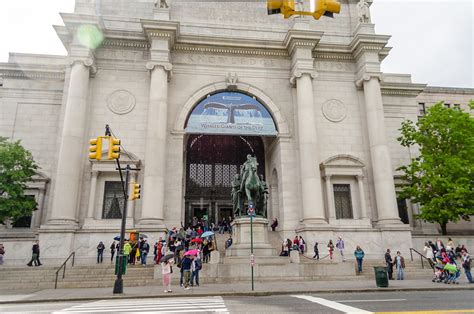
{"type": "Point", "coordinates": [117, 265]}
{"type": "Point", "coordinates": [381, 276]}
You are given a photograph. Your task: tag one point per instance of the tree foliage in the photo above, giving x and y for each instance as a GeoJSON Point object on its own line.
{"type": "Point", "coordinates": [17, 167]}
{"type": "Point", "coordinates": [441, 178]}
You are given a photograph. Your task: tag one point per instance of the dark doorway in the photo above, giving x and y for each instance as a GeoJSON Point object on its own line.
{"type": "Point", "coordinates": [211, 163]}
{"type": "Point", "coordinates": [403, 210]}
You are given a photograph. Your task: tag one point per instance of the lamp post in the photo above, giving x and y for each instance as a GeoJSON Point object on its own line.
{"type": "Point", "coordinates": [251, 213]}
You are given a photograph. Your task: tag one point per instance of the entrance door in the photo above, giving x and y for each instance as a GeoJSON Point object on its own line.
{"type": "Point", "coordinates": [225, 212]}
{"type": "Point", "coordinates": [200, 212]}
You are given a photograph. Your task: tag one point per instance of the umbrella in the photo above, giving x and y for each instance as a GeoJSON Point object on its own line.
{"type": "Point", "coordinates": [117, 238]}
{"type": "Point", "coordinates": [144, 236]}
{"type": "Point", "coordinates": [207, 234]}
{"type": "Point", "coordinates": [196, 240]}
{"type": "Point", "coordinates": [166, 258]}
{"type": "Point", "coordinates": [192, 252]}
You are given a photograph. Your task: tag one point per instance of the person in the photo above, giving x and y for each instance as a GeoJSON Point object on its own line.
{"type": "Point", "coordinates": [196, 266]}
{"type": "Point", "coordinates": [439, 245]}
{"type": "Point", "coordinates": [144, 250]}
{"type": "Point", "coordinates": [296, 243]}
{"type": "Point", "coordinates": [35, 255]}
{"type": "Point", "coordinates": [450, 245]}
{"type": "Point", "coordinates": [429, 254]}
{"type": "Point", "coordinates": [285, 248]}
{"type": "Point", "coordinates": [206, 252]}
{"type": "Point", "coordinates": [166, 271]}
{"type": "Point", "coordinates": [302, 245]}
{"type": "Point", "coordinates": [127, 249]}
{"type": "Point", "coordinates": [274, 224]}
{"type": "Point", "coordinates": [389, 264]}
{"type": "Point", "coordinates": [359, 255]}
{"type": "Point", "coordinates": [222, 226]}
{"type": "Point", "coordinates": [159, 251]}
{"type": "Point", "coordinates": [316, 251]}
{"type": "Point", "coordinates": [133, 253]}
{"type": "Point", "coordinates": [186, 270]}
{"type": "Point", "coordinates": [229, 241]}
{"type": "Point", "coordinates": [330, 249]}
{"type": "Point", "coordinates": [112, 251]}
{"type": "Point", "coordinates": [400, 265]}
{"type": "Point", "coordinates": [340, 247]}
{"type": "Point", "coordinates": [466, 265]}
{"type": "Point", "coordinates": [453, 273]}
{"type": "Point", "coordinates": [2, 253]}
{"type": "Point", "coordinates": [100, 252]}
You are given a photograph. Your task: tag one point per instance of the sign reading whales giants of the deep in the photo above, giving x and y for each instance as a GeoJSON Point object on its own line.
{"type": "Point", "coordinates": [231, 113]}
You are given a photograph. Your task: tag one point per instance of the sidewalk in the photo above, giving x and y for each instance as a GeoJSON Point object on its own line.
{"type": "Point", "coordinates": [234, 289]}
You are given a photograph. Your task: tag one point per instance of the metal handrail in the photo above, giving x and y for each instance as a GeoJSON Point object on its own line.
{"type": "Point", "coordinates": [63, 267]}
{"type": "Point", "coordinates": [421, 257]}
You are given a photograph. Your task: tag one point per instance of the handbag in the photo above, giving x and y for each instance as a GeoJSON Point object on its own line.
{"type": "Point", "coordinates": [171, 269]}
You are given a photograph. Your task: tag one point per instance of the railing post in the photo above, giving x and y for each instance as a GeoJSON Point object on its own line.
{"type": "Point", "coordinates": [64, 270]}
{"type": "Point", "coordinates": [56, 282]}
{"type": "Point", "coordinates": [73, 256]}
{"type": "Point", "coordinates": [411, 254]}
{"type": "Point", "coordinates": [422, 265]}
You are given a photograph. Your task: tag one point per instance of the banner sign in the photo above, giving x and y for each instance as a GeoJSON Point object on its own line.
{"type": "Point", "coordinates": [231, 113]}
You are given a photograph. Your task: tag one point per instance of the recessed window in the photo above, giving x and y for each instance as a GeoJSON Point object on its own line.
{"type": "Point", "coordinates": [447, 106]}
{"type": "Point", "coordinates": [24, 221]}
{"type": "Point", "coordinates": [403, 210]}
{"type": "Point", "coordinates": [457, 106]}
{"type": "Point", "coordinates": [342, 201]}
{"type": "Point", "coordinates": [421, 109]}
{"type": "Point", "coordinates": [113, 200]}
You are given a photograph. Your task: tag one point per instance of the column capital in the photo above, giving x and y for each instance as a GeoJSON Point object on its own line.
{"type": "Point", "coordinates": [94, 173]}
{"type": "Point", "coordinates": [359, 177]}
{"type": "Point", "coordinates": [367, 76]}
{"type": "Point", "coordinates": [297, 73]}
{"type": "Point", "coordinates": [327, 177]}
{"type": "Point", "coordinates": [87, 62]}
{"type": "Point", "coordinates": [151, 65]}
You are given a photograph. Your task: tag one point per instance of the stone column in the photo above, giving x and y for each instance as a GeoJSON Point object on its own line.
{"type": "Point", "coordinates": [92, 194]}
{"type": "Point", "coordinates": [381, 163]}
{"type": "Point", "coordinates": [155, 153]}
{"type": "Point", "coordinates": [71, 149]}
{"type": "Point", "coordinates": [312, 198]}
{"type": "Point", "coordinates": [363, 206]}
{"type": "Point", "coordinates": [330, 198]}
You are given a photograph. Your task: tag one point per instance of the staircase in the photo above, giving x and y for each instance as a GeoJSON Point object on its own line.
{"type": "Point", "coordinates": [413, 269]}
{"type": "Point", "coordinates": [93, 276]}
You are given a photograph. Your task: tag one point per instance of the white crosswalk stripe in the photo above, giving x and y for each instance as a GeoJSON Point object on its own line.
{"type": "Point", "coordinates": [158, 305]}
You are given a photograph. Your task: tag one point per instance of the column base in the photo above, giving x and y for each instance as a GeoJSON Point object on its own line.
{"type": "Point", "coordinates": [390, 223]}
{"type": "Point", "coordinates": [104, 224]}
{"type": "Point", "coordinates": [153, 224]}
{"type": "Point", "coordinates": [61, 224]}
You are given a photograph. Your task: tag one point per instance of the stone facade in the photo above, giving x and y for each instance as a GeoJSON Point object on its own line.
{"type": "Point", "coordinates": [336, 113]}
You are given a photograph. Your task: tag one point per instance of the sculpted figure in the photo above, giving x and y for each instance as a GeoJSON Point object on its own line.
{"type": "Point", "coordinates": [236, 195]}
{"type": "Point", "coordinates": [162, 3]}
{"type": "Point", "coordinates": [364, 11]}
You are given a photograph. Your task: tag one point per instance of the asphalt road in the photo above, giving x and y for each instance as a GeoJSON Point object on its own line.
{"type": "Point", "coordinates": [402, 302]}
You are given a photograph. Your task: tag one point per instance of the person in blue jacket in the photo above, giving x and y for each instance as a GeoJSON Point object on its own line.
{"type": "Point", "coordinates": [359, 255]}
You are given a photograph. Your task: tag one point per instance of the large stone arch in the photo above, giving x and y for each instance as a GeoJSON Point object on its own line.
{"type": "Point", "coordinates": [281, 124]}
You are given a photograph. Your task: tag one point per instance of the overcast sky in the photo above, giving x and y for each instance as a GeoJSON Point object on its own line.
{"type": "Point", "coordinates": [431, 39]}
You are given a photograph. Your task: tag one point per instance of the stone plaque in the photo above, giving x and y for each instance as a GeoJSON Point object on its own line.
{"type": "Point", "coordinates": [121, 102]}
{"type": "Point", "coordinates": [334, 110]}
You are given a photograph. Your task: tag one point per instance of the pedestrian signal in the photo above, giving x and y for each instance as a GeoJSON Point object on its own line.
{"type": "Point", "coordinates": [326, 8]}
{"type": "Point", "coordinates": [95, 148]}
{"type": "Point", "coordinates": [136, 189]}
{"type": "Point", "coordinates": [114, 148]}
{"type": "Point", "coordinates": [285, 7]}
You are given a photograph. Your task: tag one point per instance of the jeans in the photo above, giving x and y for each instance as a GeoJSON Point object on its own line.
{"type": "Point", "coordinates": [187, 277]}
{"type": "Point", "coordinates": [468, 275]}
{"type": "Point", "coordinates": [359, 265]}
{"type": "Point", "coordinates": [112, 254]}
{"type": "Point", "coordinates": [221, 230]}
{"type": "Point", "coordinates": [195, 277]}
{"type": "Point", "coordinates": [100, 256]}
{"type": "Point", "coordinates": [35, 259]}
{"type": "Point", "coordinates": [143, 257]}
{"type": "Point", "coordinates": [400, 273]}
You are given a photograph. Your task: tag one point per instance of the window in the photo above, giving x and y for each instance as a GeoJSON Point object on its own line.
{"type": "Point", "coordinates": [421, 109]}
{"type": "Point", "coordinates": [457, 106]}
{"type": "Point", "coordinates": [113, 200]}
{"type": "Point", "coordinates": [447, 106]}
{"type": "Point", "coordinates": [25, 221]}
{"type": "Point", "coordinates": [342, 201]}
{"type": "Point", "coordinates": [403, 210]}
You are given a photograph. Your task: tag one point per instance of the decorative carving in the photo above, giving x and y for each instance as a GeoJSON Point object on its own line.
{"type": "Point", "coordinates": [364, 11]}
{"type": "Point", "coordinates": [334, 110]}
{"type": "Point", "coordinates": [162, 4]}
{"type": "Point", "coordinates": [232, 50]}
{"type": "Point", "coordinates": [121, 102]}
{"type": "Point", "coordinates": [232, 81]}
{"type": "Point", "coordinates": [297, 73]}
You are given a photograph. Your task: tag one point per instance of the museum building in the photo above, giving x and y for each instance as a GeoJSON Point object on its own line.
{"type": "Point", "coordinates": [193, 87]}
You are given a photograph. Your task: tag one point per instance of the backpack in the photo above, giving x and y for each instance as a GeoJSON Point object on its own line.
{"type": "Point", "coordinates": [2, 251]}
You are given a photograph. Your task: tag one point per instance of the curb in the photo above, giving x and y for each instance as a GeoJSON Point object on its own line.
{"type": "Point", "coordinates": [235, 294]}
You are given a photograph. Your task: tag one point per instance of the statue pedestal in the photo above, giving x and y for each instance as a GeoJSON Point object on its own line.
{"type": "Point", "coordinates": [241, 238]}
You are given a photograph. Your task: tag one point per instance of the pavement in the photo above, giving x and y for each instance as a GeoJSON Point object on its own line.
{"type": "Point", "coordinates": [265, 288]}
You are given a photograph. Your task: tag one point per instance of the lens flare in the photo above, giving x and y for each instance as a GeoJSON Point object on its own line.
{"type": "Point", "coordinates": [90, 36]}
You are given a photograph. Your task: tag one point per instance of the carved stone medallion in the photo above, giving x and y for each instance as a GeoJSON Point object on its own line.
{"type": "Point", "coordinates": [121, 102]}
{"type": "Point", "coordinates": [334, 110]}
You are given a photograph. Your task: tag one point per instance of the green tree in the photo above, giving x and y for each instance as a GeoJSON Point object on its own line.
{"type": "Point", "coordinates": [441, 179]}
{"type": "Point", "coordinates": [17, 167]}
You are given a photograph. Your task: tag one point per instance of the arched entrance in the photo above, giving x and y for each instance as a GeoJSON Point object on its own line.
{"type": "Point", "coordinates": [222, 129]}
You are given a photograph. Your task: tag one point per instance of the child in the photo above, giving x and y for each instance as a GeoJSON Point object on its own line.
{"type": "Point", "coordinates": [331, 248]}
{"type": "Point", "coordinates": [166, 271]}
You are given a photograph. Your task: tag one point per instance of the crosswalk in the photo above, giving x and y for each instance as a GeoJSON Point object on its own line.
{"type": "Point", "coordinates": [158, 305]}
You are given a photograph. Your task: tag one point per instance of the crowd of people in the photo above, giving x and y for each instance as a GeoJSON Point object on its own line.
{"type": "Point", "coordinates": [447, 261]}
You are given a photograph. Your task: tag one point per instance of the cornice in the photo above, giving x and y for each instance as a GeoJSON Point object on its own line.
{"type": "Point", "coordinates": [401, 89]}
{"type": "Point", "coordinates": [368, 43]}
{"type": "Point", "coordinates": [301, 39]}
{"type": "Point", "coordinates": [228, 50]}
{"type": "Point", "coordinates": [126, 44]}
{"type": "Point", "coordinates": [168, 30]}
{"type": "Point", "coordinates": [331, 56]}
{"type": "Point", "coordinates": [32, 72]}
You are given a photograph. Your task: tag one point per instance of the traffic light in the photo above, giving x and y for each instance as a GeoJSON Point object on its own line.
{"type": "Point", "coordinates": [285, 7]}
{"type": "Point", "coordinates": [114, 148]}
{"type": "Point", "coordinates": [326, 8]}
{"type": "Point", "coordinates": [95, 149]}
{"type": "Point", "coordinates": [136, 191]}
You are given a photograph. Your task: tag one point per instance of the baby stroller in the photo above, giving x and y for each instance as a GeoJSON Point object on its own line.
{"type": "Point", "coordinates": [439, 273]}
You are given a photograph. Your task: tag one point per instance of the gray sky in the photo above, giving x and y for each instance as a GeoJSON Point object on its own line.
{"type": "Point", "coordinates": [431, 39]}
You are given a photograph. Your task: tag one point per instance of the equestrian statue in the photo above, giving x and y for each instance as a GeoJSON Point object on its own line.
{"type": "Point", "coordinates": [248, 187]}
